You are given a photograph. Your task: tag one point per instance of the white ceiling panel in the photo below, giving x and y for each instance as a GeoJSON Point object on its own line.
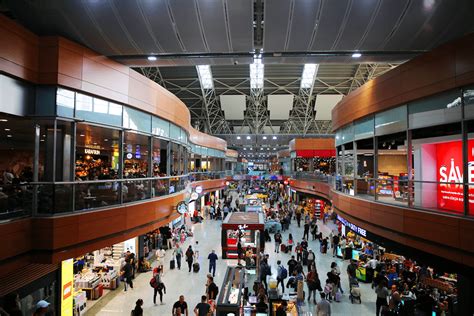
{"type": "Point", "coordinates": [280, 106]}
{"type": "Point", "coordinates": [268, 130]}
{"type": "Point", "coordinates": [324, 105]}
{"type": "Point", "coordinates": [233, 106]}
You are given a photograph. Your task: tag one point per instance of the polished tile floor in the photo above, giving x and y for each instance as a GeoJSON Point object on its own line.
{"type": "Point", "coordinates": [192, 285]}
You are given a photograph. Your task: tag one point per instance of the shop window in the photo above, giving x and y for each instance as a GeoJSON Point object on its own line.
{"type": "Point", "coordinates": [17, 143]}
{"type": "Point", "coordinates": [175, 157]}
{"type": "Point", "coordinates": [365, 184]}
{"type": "Point", "coordinates": [159, 157]}
{"type": "Point", "coordinates": [392, 181]}
{"type": "Point", "coordinates": [348, 169]}
{"type": "Point", "coordinates": [65, 102]}
{"type": "Point", "coordinates": [391, 121]}
{"type": "Point", "coordinates": [438, 168]}
{"type": "Point", "coordinates": [135, 156]}
{"type": "Point", "coordinates": [436, 110]}
{"type": "Point", "coordinates": [97, 158]}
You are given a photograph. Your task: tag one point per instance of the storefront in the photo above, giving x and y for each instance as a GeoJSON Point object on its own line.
{"type": "Point", "coordinates": [95, 274]}
{"type": "Point", "coordinates": [409, 154]}
{"type": "Point", "coordinates": [246, 227]}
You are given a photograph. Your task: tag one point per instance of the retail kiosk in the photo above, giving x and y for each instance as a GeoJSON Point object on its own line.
{"type": "Point", "coordinates": [248, 226]}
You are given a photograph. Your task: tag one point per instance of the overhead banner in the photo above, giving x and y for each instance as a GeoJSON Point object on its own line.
{"type": "Point", "coordinates": [67, 280]}
{"type": "Point", "coordinates": [449, 165]}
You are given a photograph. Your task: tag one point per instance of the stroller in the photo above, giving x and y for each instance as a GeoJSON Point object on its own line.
{"type": "Point", "coordinates": [354, 291]}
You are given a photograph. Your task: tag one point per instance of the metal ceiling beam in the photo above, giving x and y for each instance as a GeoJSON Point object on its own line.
{"type": "Point", "coordinates": [152, 73]}
{"type": "Point", "coordinates": [214, 119]}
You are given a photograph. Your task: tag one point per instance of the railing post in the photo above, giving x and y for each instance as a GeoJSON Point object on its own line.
{"type": "Point", "coordinates": [409, 168]}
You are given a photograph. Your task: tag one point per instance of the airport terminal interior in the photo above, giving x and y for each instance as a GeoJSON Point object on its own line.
{"type": "Point", "coordinates": [237, 157]}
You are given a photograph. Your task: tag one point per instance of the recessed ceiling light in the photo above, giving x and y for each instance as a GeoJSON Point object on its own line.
{"type": "Point", "coordinates": [268, 148]}
{"type": "Point", "coordinates": [245, 148]}
{"type": "Point", "coordinates": [356, 55]}
{"type": "Point", "coordinates": [42, 140]}
{"type": "Point", "coordinates": [264, 137]}
{"type": "Point", "coordinates": [248, 137]}
{"type": "Point", "coordinates": [274, 137]}
{"type": "Point", "coordinates": [9, 136]}
{"type": "Point", "coordinates": [82, 135]}
{"type": "Point", "coordinates": [238, 137]}
{"type": "Point", "coordinates": [7, 129]}
{"type": "Point", "coordinates": [3, 120]}
{"type": "Point", "coordinates": [151, 58]}
{"type": "Point", "coordinates": [261, 148]}
{"type": "Point", "coordinates": [106, 140]}
{"type": "Point", "coordinates": [95, 143]}
{"type": "Point", "coordinates": [274, 148]}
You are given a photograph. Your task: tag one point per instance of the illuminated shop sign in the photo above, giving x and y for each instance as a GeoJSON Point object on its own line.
{"type": "Point", "coordinates": [449, 166]}
{"type": "Point", "coordinates": [353, 227]}
{"type": "Point", "coordinates": [90, 151]}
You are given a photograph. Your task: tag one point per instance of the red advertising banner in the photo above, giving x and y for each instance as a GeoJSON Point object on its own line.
{"type": "Point", "coordinates": [449, 164]}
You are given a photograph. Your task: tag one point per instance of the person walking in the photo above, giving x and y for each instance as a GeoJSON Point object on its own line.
{"type": "Point", "coordinates": [127, 274]}
{"type": "Point", "coordinates": [290, 243]}
{"type": "Point", "coordinates": [282, 274]}
{"type": "Point", "coordinates": [298, 216]}
{"type": "Point", "coordinates": [314, 230]}
{"type": "Point", "coordinates": [203, 308]}
{"type": "Point", "coordinates": [313, 283]}
{"type": "Point", "coordinates": [178, 253]}
{"type": "Point", "coordinates": [189, 257]}
{"type": "Point", "coordinates": [211, 288]}
{"type": "Point", "coordinates": [335, 244]}
{"type": "Point", "coordinates": [337, 272]}
{"type": "Point", "coordinates": [323, 308]}
{"type": "Point", "coordinates": [265, 271]}
{"type": "Point", "coordinates": [299, 252]}
{"type": "Point", "coordinates": [212, 257]}
{"type": "Point", "coordinates": [277, 242]}
{"type": "Point", "coordinates": [180, 306]}
{"type": "Point", "coordinates": [306, 230]}
{"type": "Point", "coordinates": [291, 265]}
{"type": "Point", "coordinates": [158, 286]}
{"type": "Point", "coordinates": [311, 259]}
{"type": "Point", "coordinates": [382, 294]}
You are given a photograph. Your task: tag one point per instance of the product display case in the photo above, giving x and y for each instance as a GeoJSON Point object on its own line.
{"type": "Point", "coordinates": [248, 227]}
{"type": "Point", "coordinates": [230, 296]}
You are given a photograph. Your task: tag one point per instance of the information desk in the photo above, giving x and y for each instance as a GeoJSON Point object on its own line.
{"type": "Point", "coordinates": [248, 227]}
{"type": "Point", "coordinates": [230, 296]}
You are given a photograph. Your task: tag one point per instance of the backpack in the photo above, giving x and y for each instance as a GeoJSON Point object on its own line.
{"type": "Point", "coordinates": [284, 273]}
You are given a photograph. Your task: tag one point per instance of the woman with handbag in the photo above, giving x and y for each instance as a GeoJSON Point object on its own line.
{"type": "Point", "coordinates": [313, 282]}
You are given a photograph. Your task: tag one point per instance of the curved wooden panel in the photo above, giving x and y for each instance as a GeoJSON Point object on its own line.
{"type": "Point", "coordinates": [232, 153]}
{"type": "Point", "coordinates": [438, 234]}
{"type": "Point", "coordinates": [58, 61]}
{"type": "Point", "coordinates": [446, 67]}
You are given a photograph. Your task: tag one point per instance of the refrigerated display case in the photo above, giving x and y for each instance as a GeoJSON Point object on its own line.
{"type": "Point", "coordinates": [248, 227]}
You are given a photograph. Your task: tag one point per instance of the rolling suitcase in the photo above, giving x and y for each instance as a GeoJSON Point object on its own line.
{"type": "Point", "coordinates": [196, 267]}
{"type": "Point", "coordinates": [172, 264]}
{"type": "Point", "coordinates": [284, 248]}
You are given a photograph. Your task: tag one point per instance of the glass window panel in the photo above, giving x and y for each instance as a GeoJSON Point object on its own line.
{"type": "Point", "coordinates": [97, 110]}
{"type": "Point", "coordinates": [101, 106]}
{"type": "Point", "coordinates": [65, 102]}
{"type": "Point", "coordinates": [391, 121]}
{"type": "Point", "coordinates": [83, 102]}
{"type": "Point", "coordinates": [175, 132]}
{"type": "Point", "coordinates": [159, 158]}
{"type": "Point", "coordinates": [468, 95]}
{"type": "Point", "coordinates": [436, 110]}
{"type": "Point", "coordinates": [136, 120]}
{"type": "Point", "coordinates": [160, 127]}
{"type": "Point", "coordinates": [364, 128]}
{"type": "Point", "coordinates": [347, 134]}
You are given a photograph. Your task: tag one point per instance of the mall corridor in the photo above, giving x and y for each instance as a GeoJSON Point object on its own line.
{"type": "Point", "coordinates": [192, 285]}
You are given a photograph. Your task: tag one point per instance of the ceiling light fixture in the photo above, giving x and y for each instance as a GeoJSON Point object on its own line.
{"type": "Point", "coordinates": [3, 120]}
{"type": "Point", "coordinates": [238, 137]}
{"type": "Point", "coordinates": [205, 76]}
{"type": "Point", "coordinates": [356, 55]}
{"type": "Point", "coordinates": [151, 58]}
{"type": "Point", "coordinates": [274, 137]}
{"type": "Point", "coordinates": [9, 135]}
{"type": "Point", "coordinates": [257, 70]}
{"type": "Point", "coordinates": [248, 137]}
{"type": "Point", "coordinates": [264, 137]}
{"type": "Point", "coordinates": [7, 129]}
{"type": "Point", "coordinates": [309, 73]}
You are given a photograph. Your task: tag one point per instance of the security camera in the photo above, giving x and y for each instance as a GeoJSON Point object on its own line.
{"type": "Point", "coordinates": [236, 62]}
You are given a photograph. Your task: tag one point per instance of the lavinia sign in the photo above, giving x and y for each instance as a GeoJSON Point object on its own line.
{"type": "Point", "coordinates": [449, 165]}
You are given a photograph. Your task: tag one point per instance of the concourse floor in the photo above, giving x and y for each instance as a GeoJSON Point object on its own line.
{"type": "Point", "coordinates": [192, 285]}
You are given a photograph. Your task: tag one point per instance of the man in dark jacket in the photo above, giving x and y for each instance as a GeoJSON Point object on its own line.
{"type": "Point", "coordinates": [127, 273]}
